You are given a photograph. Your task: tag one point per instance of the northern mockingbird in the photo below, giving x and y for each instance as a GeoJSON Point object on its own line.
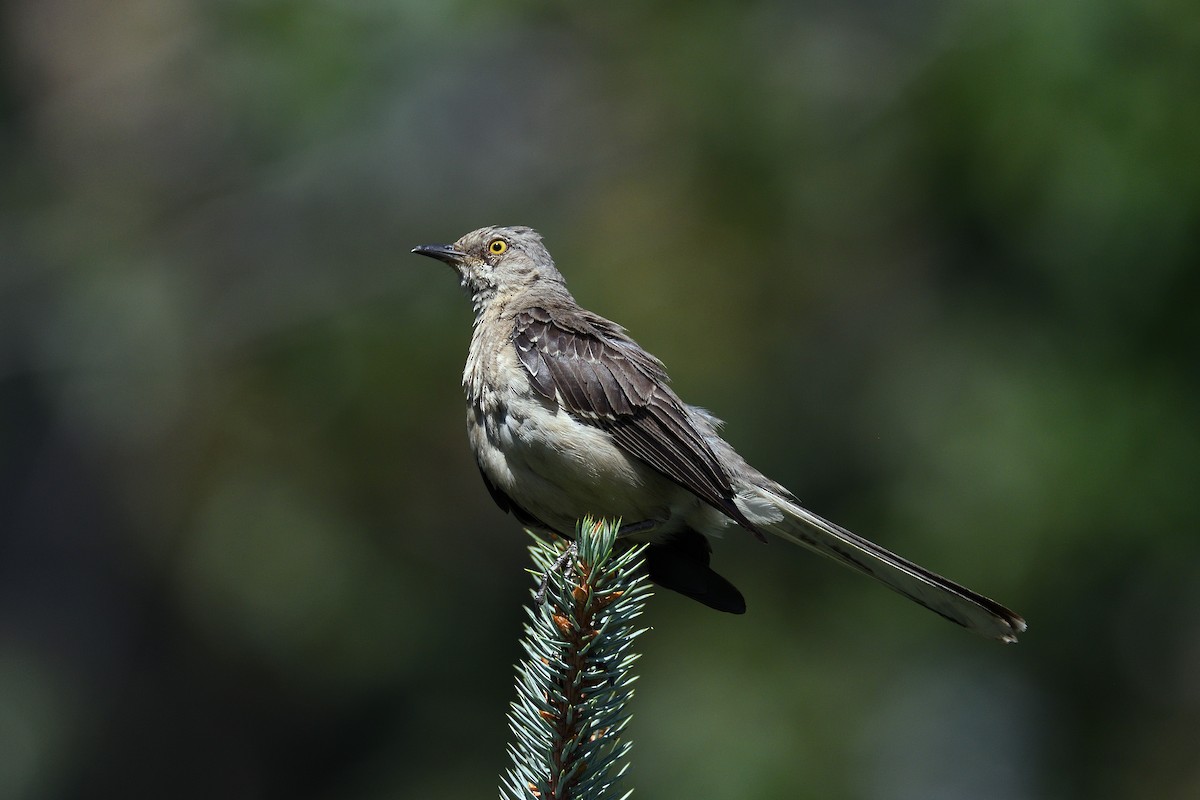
{"type": "Point", "coordinates": [568, 416]}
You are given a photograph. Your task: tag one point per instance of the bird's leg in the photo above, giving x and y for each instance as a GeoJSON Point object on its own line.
{"type": "Point", "coordinates": [559, 565]}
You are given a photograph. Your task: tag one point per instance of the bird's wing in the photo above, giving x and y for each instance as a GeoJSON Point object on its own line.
{"type": "Point", "coordinates": [603, 378]}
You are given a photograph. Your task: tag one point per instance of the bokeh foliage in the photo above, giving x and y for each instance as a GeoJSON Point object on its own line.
{"type": "Point", "coordinates": [936, 264]}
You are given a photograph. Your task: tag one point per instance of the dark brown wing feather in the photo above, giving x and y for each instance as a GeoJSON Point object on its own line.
{"type": "Point", "coordinates": [604, 378]}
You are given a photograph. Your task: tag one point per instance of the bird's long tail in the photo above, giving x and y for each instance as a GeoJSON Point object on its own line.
{"type": "Point", "coordinates": [952, 601]}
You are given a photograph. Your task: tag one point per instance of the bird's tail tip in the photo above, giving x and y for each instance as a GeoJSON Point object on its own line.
{"type": "Point", "coordinates": [1016, 627]}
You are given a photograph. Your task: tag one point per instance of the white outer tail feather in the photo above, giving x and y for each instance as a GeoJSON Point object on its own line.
{"type": "Point", "coordinates": [788, 520]}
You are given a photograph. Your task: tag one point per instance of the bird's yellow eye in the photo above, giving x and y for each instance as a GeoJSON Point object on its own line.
{"type": "Point", "coordinates": [497, 246]}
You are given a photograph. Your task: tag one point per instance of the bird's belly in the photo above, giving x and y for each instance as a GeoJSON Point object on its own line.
{"type": "Point", "coordinates": [559, 470]}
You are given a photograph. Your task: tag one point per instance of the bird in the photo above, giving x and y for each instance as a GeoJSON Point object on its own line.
{"type": "Point", "coordinates": [567, 416]}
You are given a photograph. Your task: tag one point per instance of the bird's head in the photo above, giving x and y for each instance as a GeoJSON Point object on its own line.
{"type": "Point", "coordinates": [496, 262]}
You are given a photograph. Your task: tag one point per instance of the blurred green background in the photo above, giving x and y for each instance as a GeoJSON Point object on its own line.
{"type": "Point", "coordinates": [936, 263]}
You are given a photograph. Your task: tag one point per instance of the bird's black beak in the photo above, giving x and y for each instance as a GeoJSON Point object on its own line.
{"type": "Point", "coordinates": [442, 252]}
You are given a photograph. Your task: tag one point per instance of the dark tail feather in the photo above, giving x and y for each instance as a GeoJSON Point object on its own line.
{"type": "Point", "coordinates": [681, 565]}
{"type": "Point", "coordinates": [953, 601]}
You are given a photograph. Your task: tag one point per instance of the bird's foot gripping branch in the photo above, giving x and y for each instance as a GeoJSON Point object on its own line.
{"type": "Point", "coordinates": [575, 681]}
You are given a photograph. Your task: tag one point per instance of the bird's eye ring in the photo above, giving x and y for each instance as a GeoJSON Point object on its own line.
{"type": "Point", "coordinates": [497, 246]}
